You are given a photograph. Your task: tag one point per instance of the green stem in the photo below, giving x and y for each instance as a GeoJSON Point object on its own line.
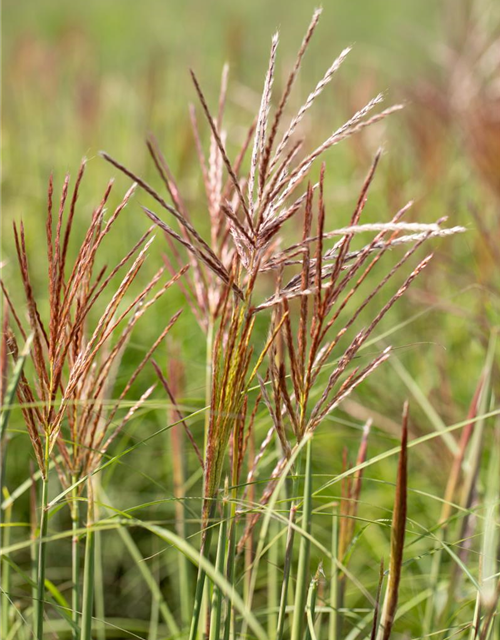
{"type": "Point", "coordinates": [334, 622]}
{"type": "Point", "coordinates": [75, 563]}
{"type": "Point", "coordinates": [231, 558]}
{"type": "Point", "coordinates": [216, 613]}
{"type": "Point", "coordinates": [88, 577]}
{"type": "Point", "coordinates": [154, 618]}
{"type": "Point", "coordinates": [288, 556]}
{"type": "Point", "coordinates": [433, 581]}
{"type": "Point", "coordinates": [177, 462]}
{"type": "Point", "coordinates": [304, 552]}
{"type": "Point", "coordinates": [476, 621]}
{"type": "Point", "coordinates": [231, 550]}
{"type": "Point", "coordinates": [5, 572]}
{"type": "Point", "coordinates": [272, 583]}
{"type": "Point", "coordinates": [184, 571]}
{"type": "Point", "coordinates": [100, 610]}
{"type": "Point", "coordinates": [33, 547]}
{"type": "Point", "coordinates": [311, 607]}
{"type": "Point", "coordinates": [206, 539]}
{"type": "Point", "coordinates": [201, 606]}
{"type": "Point", "coordinates": [42, 549]}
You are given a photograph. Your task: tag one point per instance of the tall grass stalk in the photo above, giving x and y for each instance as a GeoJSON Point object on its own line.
{"type": "Point", "coordinates": [398, 531]}
{"type": "Point", "coordinates": [312, 594]}
{"type": "Point", "coordinates": [154, 618]}
{"type": "Point", "coordinates": [88, 571]}
{"type": "Point", "coordinates": [268, 515]}
{"type": "Point", "coordinates": [75, 561]}
{"type": "Point", "coordinates": [287, 566]}
{"type": "Point", "coordinates": [42, 549]}
{"type": "Point", "coordinates": [34, 538]}
{"type": "Point", "coordinates": [230, 570]}
{"type": "Point", "coordinates": [273, 582]}
{"type": "Point", "coordinates": [216, 611]}
{"type": "Point", "coordinates": [333, 620]}
{"type": "Point", "coordinates": [376, 611]}
{"type": "Point", "coordinates": [5, 572]}
{"type": "Point", "coordinates": [304, 550]}
{"type": "Point", "coordinates": [286, 573]}
{"type": "Point", "coordinates": [206, 536]}
{"type": "Point", "coordinates": [231, 545]}
{"type": "Point", "coordinates": [99, 589]}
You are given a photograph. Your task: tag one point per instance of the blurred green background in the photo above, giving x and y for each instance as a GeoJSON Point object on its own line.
{"type": "Point", "coordinates": [84, 76]}
{"type": "Point", "coordinates": [78, 77]}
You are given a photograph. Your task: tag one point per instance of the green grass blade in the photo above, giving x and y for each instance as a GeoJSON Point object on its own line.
{"type": "Point", "coordinates": [75, 565]}
{"type": "Point", "coordinates": [270, 509]}
{"type": "Point", "coordinates": [5, 578]}
{"type": "Point", "coordinates": [398, 530]}
{"type": "Point", "coordinates": [147, 575]}
{"type": "Point", "coordinates": [216, 609]}
{"type": "Point", "coordinates": [8, 401]}
{"type": "Point", "coordinates": [433, 416]}
{"type": "Point", "coordinates": [334, 620]}
{"type": "Point", "coordinates": [206, 541]}
{"type": "Point", "coordinates": [227, 589]}
{"type": "Point", "coordinates": [42, 552]}
{"type": "Point", "coordinates": [311, 606]}
{"type": "Point", "coordinates": [88, 577]}
{"type": "Point", "coordinates": [100, 610]}
{"type": "Point", "coordinates": [304, 550]}
{"type": "Point", "coordinates": [272, 584]}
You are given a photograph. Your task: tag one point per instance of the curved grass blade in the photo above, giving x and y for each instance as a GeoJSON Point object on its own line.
{"type": "Point", "coordinates": [304, 550]}
{"type": "Point", "coordinates": [397, 537]}
{"type": "Point", "coordinates": [88, 572]}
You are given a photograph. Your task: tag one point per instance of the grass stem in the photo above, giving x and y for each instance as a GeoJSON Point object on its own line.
{"type": "Point", "coordinates": [272, 583]}
{"type": "Point", "coordinates": [5, 574]}
{"type": "Point", "coordinates": [88, 574]}
{"type": "Point", "coordinates": [216, 609]}
{"type": "Point", "coordinates": [287, 562]}
{"type": "Point", "coordinates": [312, 595]}
{"type": "Point", "coordinates": [304, 551]}
{"type": "Point", "coordinates": [100, 610]}
{"type": "Point", "coordinates": [206, 540]}
{"type": "Point", "coordinates": [333, 623]}
{"type": "Point", "coordinates": [75, 563]}
{"type": "Point", "coordinates": [42, 549]}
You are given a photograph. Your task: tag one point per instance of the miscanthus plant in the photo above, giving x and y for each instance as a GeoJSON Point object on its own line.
{"type": "Point", "coordinates": [275, 262]}
{"type": "Point", "coordinates": [75, 358]}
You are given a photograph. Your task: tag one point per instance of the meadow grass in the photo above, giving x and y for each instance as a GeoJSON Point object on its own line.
{"type": "Point", "coordinates": [250, 495]}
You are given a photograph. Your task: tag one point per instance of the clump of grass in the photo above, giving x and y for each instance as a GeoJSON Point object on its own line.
{"type": "Point", "coordinates": [76, 358]}
{"type": "Point", "coordinates": [252, 212]}
{"type": "Point", "coordinates": [274, 264]}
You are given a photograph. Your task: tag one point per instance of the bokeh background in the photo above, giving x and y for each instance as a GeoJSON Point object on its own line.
{"type": "Point", "coordinates": [78, 77]}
